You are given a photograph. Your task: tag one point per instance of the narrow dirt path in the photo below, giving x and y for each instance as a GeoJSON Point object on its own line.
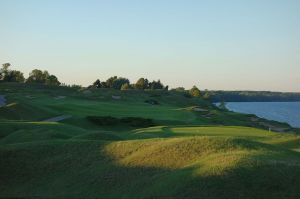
{"type": "Point", "coordinates": [58, 118]}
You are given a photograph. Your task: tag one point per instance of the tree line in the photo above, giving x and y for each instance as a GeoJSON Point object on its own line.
{"type": "Point", "coordinates": [121, 83]}
{"type": "Point", "coordinates": [114, 82]}
{"type": "Point", "coordinates": [35, 76]}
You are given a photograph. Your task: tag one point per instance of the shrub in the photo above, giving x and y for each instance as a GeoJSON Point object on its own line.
{"type": "Point", "coordinates": [195, 92]}
{"type": "Point", "coordinates": [125, 86]}
{"type": "Point", "coordinates": [137, 121]}
{"type": "Point", "coordinates": [152, 102]}
{"type": "Point", "coordinates": [103, 120]}
{"type": "Point", "coordinates": [130, 121]}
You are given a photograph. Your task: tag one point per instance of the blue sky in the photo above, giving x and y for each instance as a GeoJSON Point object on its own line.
{"type": "Point", "coordinates": [232, 44]}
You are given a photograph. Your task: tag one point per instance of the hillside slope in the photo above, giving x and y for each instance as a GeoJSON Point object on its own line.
{"type": "Point", "coordinates": [188, 153]}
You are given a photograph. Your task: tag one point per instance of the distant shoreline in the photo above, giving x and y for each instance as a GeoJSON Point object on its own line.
{"type": "Point", "coordinates": [253, 96]}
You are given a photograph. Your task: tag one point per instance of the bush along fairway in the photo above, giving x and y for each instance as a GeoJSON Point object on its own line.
{"type": "Point", "coordinates": [108, 143]}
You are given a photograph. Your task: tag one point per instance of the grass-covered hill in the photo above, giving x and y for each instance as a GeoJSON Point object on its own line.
{"type": "Point", "coordinates": [64, 143]}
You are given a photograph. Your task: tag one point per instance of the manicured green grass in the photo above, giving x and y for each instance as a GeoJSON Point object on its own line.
{"type": "Point", "coordinates": [191, 167]}
{"type": "Point", "coordinates": [188, 154]}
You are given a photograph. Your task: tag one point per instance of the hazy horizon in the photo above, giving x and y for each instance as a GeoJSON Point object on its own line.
{"type": "Point", "coordinates": [215, 45]}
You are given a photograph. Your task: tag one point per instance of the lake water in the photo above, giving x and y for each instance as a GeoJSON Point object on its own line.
{"type": "Point", "coordinates": [288, 112]}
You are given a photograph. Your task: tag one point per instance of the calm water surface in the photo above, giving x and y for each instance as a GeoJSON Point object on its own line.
{"type": "Point", "coordinates": [288, 112]}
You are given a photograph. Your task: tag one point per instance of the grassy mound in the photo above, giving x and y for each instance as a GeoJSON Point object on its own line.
{"type": "Point", "coordinates": [19, 132]}
{"type": "Point", "coordinates": [189, 167]}
{"type": "Point", "coordinates": [198, 151]}
{"type": "Point", "coordinates": [23, 111]}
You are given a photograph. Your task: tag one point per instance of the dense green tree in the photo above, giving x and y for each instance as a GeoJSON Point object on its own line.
{"type": "Point", "coordinates": [97, 84]}
{"type": "Point", "coordinates": [179, 89]}
{"type": "Point", "coordinates": [4, 70]}
{"type": "Point", "coordinates": [125, 86]}
{"type": "Point", "coordinates": [104, 85]}
{"type": "Point", "coordinates": [42, 77]}
{"type": "Point", "coordinates": [156, 85]}
{"type": "Point", "coordinates": [117, 83]}
{"type": "Point", "coordinates": [142, 83]}
{"type": "Point", "coordinates": [8, 75]}
{"type": "Point", "coordinates": [5, 66]}
{"type": "Point", "coordinates": [195, 92]}
{"type": "Point", "coordinates": [13, 76]}
{"type": "Point", "coordinates": [146, 84]}
{"type": "Point", "coordinates": [76, 86]}
{"type": "Point", "coordinates": [37, 76]}
{"type": "Point", "coordinates": [52, 80]}
{"type": "Point", "coordinates": [109, 81]}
